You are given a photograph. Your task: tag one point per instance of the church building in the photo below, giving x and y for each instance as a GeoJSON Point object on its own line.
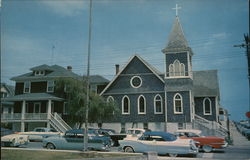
{"type": "Point", "coordinates": [176, 99]}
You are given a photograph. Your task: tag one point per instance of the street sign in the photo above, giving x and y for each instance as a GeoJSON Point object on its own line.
{"type": "Point", "coordinates": [248, 114]}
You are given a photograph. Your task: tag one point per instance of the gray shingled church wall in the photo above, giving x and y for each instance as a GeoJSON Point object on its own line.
{"type": "Point", "coordinates": [151, 86]}
{"type": "Point", "coordinates": [199, 108]}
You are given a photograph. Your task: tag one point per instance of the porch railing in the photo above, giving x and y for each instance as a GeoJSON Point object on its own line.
{"type": "Point", "coordinates": [27, 116]}
{"type": "Point", "coordinates": [211, 125]}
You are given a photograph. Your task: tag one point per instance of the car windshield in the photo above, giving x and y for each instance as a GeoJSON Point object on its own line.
{"type": "Point", "coordinates": [130, 132]}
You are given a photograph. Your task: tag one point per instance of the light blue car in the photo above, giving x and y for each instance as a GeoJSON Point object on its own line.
{"type": "Point", "coordinates": [160, 142]}
{"type": "Point", "coordinates": [74, 140]}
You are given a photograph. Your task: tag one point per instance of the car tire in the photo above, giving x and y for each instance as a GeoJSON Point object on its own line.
{"type": "Point", "coordinates": [12, 143]}
{"type": "Point", "coordinates": [129, 149]}
{"type": "Point", "coordinates": [207, 148]}
{"type": "Point", "coordinates": [172, 155]}
{"type": "Point", "coordinates": [50, 146]}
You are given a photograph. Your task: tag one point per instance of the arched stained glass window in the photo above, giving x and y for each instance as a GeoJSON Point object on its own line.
{"type": "Point", "coordinates": [125, 105]}
{"type": "Point", "coordinates": [158, 104]}
{"type": "Point", "coordinates": [178, 105]}
{"type": "Point", "coordinates": [207, 108]}
{"type": "Point", "coordinates": [141, 105]}
{"type": "Point", "coordinates": [176, 69]}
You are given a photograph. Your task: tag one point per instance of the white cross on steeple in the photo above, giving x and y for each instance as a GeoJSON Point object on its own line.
{"type": "Point", "coordinates": [176, 9]}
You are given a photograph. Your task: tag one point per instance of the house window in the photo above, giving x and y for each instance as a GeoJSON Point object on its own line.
{"type": "Point", "coordinates": [50, 86]}
{"type": "Point", "coordinates": [39, 73]}
{"type": "Point", "coordinates": [110, 99]}
{"type": "Point", "coordinates": [207, 108]}
{"type": "Point", "coordinates": [37, 108]}
{"type": "Point", "coordinates": [125, 105]}
{"type": "Point", "coordinates": [176, 69]}
{"type": "Point", "coordinates": [141, 104]}
{"type": "Point", "coordinates": [26, 87]}
{"type": "Point", "coordinates": [158, 104]}
{"type": "Point", "coordinates": [178, 106]}
{"type": "Point", "coordinates": [136, 82]}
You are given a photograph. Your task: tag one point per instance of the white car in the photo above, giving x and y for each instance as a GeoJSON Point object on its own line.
{"type": "Point", "coordinates": [14, 140]}
{"type": "Point", "coordinates": [160, 142]}
{"type": "Point", "coordinates": [38, 134]}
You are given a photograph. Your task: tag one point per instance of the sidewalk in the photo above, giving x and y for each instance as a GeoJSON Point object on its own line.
{"type": "Point", "coordinates": [238, 139]}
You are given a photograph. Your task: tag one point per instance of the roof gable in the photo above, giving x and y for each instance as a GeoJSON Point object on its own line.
{"type": "Point", "coordinates": [128, 69]}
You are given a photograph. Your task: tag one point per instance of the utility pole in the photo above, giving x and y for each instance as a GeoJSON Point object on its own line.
{"type": "Point", "coordinates": [88, 83]}
{"type": "Point", "coordinates": [247, 46]}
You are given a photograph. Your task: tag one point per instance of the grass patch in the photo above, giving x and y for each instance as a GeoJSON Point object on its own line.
{"type": "Point", "coordinates": [10, 154]}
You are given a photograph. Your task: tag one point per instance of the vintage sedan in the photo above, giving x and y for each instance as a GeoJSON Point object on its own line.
{"type": "Point", "coordinates": [74, 140]}
{"type": "Point", "coordinates": [206, 143]}
{"type": "Point", "coordinates": [14, 140]}
{"type": "Point", "coordinates": [160, 142]}
{"type": "Point", "coordinates": [39, 133]}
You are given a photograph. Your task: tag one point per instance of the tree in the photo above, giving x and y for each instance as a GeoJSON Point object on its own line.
{"type": "Point", "coordinates": [74, 91]}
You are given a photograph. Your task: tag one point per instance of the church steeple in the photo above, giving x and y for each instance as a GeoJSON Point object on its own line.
{"type": "Point", "coordinates": [177, 52]}
{"type": "Point", "coordinates": [176, 40]}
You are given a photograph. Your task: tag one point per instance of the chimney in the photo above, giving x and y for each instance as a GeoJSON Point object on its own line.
{"type": "Point", "coordinates": [117, 68]}
{"type": "Point", "coordinates": [69, 68]}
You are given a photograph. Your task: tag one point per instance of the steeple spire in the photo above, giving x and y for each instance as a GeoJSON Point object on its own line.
{"type": "Point", "coordinates": [176, 40]}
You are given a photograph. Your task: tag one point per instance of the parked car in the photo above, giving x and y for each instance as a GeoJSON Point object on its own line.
{"type": "Point", "coordinates": [160, 142]}
{"type": "Point", "coordinates": [38, 134]}
{"type": "Point", "coordinates": [5, 131]}
{"type": "Point", "coordinates": [74, 140]}
{"type": "Point", "coordinates": [247, 134]}
{"type": "Point", "coordinates": [206, 143]}
{"type": "Point", "coordinates": [134, 133]}
{"type": "Point", "coordinates": [14, 140]}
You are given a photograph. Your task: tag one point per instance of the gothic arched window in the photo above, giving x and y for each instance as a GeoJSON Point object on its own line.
{"type": "Point", "coordinates": [176, 69]}
{"type": "Point", "coordinates": [178, 104]}
{"type": "Point", "coordinates": [141, 104]}
{"type": "Point", "coordinates": [110, 99]}
{"type": "Point", "coordinates": [171, 70]}
{"type": "Point", "coordinates": [158, 104]}
{"type": "Point", "coordinates": [125, 105]}
{"type": "Point", "coordinates": [207, 108]}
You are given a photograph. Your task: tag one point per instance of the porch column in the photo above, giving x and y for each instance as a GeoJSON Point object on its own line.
{"type": "Point", "coordinates": [48, 113]}
{"type": "Point", "coordinates": [23, 116]}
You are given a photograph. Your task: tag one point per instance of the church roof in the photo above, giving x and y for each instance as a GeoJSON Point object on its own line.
{"type": "Point", "coordinates": [206, 83]}
{"type": "Point", "coordinates": [176, 40]}
{"type": "Point", "coordinates": [157, 73]}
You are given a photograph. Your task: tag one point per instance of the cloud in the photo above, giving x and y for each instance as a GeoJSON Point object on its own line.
{"type": "Point", "coordinates": [66, 7]}
{"type": "Point", "coordinates": [222, 35]}
{"type": "Point", "coordinates": [20, 45]}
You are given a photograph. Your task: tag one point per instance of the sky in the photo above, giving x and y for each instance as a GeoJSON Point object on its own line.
{"type": "Point", "coordinates": [122, 28]}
